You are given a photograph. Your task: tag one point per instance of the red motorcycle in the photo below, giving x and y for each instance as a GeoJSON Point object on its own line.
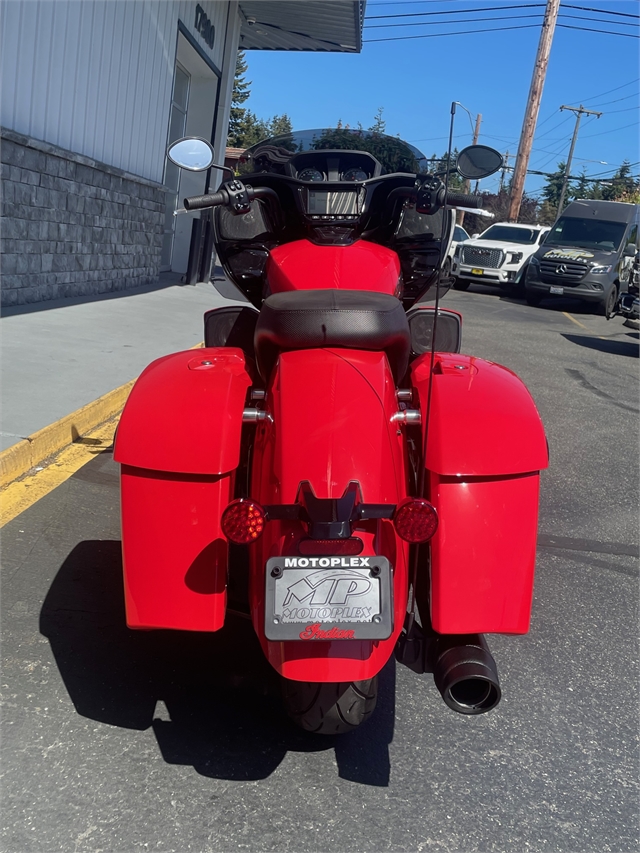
{"type": "Point", "coordinates": [381, 487]}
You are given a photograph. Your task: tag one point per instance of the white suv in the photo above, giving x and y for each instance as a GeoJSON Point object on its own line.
{"type": "Point", "coordinates": [498, 257]}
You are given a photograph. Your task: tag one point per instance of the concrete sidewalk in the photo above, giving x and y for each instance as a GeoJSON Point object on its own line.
{"type": "Point", "coordinates": [60, 356]}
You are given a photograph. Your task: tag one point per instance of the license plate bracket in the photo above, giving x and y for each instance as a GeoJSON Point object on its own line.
{"type": "Point", "coordinates": [345, 598]}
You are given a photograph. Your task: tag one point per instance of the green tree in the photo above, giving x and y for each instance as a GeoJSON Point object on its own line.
{"type": "Point", "coordinates": [240, 93]}
{"type": "Point", "coordinates": [245, 128]}
{"type": "Point", "coordinates": [280, 125]}
{"type": "Point", "coordinates": [621, 184]}
{"type": "Point", "coordinates": [583, 187]}
{"type": "Point", "coordinates": [552, 190]}
{"type": "Point", "coordinates": [379, 124]}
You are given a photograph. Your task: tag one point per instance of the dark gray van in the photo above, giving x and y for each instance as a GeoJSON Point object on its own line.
{"type": "Point", "coordinates": [588, 254]}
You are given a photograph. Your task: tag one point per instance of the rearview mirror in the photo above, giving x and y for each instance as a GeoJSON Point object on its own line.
{"type": "Point", "coordinates": [191, 153]}
{"type": "Point", "coordinates": [478, 161]}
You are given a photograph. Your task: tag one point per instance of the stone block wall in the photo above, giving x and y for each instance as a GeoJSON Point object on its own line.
{"type": "Point", "coordinates": [73, 226]}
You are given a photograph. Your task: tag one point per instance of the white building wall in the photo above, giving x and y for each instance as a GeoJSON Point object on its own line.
{"type": "Point", "coordinates": [95, 78]}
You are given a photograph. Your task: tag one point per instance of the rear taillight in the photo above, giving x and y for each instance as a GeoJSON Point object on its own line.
{"type": "Point", "coordinates": [415, 520]}
{"type": "Point", "coordinates": [243, 521]}
{"type": "Point", "coordinates": [330, 547]}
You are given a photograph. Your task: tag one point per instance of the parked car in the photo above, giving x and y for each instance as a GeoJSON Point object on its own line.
{"type": "Point", "coordinates": [498, 257]}
{"type": "Point", "coordinates": [588, 255]}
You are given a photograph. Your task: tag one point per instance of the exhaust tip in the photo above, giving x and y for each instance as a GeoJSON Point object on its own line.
{"type": "Point", "coordinates": [466, 675]}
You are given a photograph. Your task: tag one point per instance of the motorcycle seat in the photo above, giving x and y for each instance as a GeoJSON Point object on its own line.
{"type": "Point", "coordinates": [352, 319]}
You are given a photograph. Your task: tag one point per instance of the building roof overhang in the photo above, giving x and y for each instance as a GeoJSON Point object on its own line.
{"type": "Point", "coordinates": [320, 25]}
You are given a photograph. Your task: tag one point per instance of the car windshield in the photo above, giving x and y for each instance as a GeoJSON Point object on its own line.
{"type": "Point", "coordinates": [392, 153]}
{"type": "Point", "coordinates": [510, 234]}
{"type": "Point", "coordinates": [586, 233]}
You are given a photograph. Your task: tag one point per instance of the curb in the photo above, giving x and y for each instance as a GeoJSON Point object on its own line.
{"type": "Point", "coordinates": [31, 451]}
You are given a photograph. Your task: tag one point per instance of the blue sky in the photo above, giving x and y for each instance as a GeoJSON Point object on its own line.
{"type": "Point", "coordinates": [416, 79]}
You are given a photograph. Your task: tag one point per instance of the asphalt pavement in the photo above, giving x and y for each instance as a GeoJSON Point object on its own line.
{"type": "Point", "coordinates": [120, 741]}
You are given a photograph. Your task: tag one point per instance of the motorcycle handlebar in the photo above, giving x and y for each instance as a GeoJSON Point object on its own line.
{"type": "Point", "coordinates": [197, 202]}
{"type": "Point", "coordinates": [463, 200]}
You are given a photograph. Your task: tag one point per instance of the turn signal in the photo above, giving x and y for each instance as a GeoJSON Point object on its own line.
{"type": "Point", "coordinates": [243, 521]}
{"type": "Point", "coordinates": [415, 520]}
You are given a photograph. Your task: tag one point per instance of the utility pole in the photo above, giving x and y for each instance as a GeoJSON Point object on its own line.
{"type": "Point", "coordinates": [467, 183]}
{"type": "Point", "coordinates": [579, 111]}
{"type": "Point", "coordinates": [504, 171]}
{"type": "Point", "coordinates": [533, 107]}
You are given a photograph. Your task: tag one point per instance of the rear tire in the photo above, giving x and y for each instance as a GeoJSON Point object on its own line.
{"type": "Point", "coordinates": [461, 285]}
{"type": "Point", "coordinates": [330, 708]}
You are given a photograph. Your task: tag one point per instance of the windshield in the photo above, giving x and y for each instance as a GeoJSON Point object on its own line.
{"type": "Point", "coordinates": [586, 233]}
{"type": "Point", "coordinates": [509, 234]}
{"type": "Point", "coordinates": [392, 153]}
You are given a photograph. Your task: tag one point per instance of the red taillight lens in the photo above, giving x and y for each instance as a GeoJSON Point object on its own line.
{"type": "Point", "coordinates": [415, 520]}
{"type": "Point", "coordinates": [243, 521]}
{"type": "Point", "coordinates": [330, 547]}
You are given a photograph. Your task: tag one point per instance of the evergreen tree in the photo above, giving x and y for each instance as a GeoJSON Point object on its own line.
{"type": "Point", "coordinates": [553, 189]}
{"type": "Point", "coordinates": [240, 94]}
{"type": "Point", "coordinates": [583, 187]}
{"type": "Point", "coordinates": [280, 125]}
{"type": "Point", "coordinates": [379, 124]}
{"type": "Point", "coordinates": [621, 184]}
{"type": "Point", "coordinates": [245, 128]}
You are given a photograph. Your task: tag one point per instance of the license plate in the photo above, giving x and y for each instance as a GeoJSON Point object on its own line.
{"type": "Point", "coordinates": [477, 272]}
{"type": "Point", "coordinates": [557, 290]}
{"type": "Point", "coordinates": [328, 598]}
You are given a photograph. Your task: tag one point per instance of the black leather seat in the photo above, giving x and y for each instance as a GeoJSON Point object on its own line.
{"type": "Point", "coordinates": [353, 319]}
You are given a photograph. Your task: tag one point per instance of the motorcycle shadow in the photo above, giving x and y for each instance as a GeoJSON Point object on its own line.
{"type": "Point", "coordinates": [212, 700]}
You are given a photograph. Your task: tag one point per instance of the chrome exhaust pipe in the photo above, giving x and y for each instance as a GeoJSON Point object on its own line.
{"type": "Point", "coordinates": [465, 673]}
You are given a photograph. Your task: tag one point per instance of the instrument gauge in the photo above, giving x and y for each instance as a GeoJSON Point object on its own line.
{"type": "Point", "coordinates": [354, 175]}
{"type": "Point", "coordinates": [310, 175]}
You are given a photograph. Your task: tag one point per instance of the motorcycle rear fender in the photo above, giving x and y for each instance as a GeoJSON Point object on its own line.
{"type": "Point", "coordinates": [486, 447]}
{"type": "Point", "coordinates": [178, 442]}
{"type": "Point", "coordinates": [331, 412]}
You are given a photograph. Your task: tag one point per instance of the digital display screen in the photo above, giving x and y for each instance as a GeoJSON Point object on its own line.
{"type": "Point", "coordinates": [336, 203]}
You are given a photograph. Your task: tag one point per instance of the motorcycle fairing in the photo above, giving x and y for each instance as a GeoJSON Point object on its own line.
{"type": "Point", "coordinates": [331, 411]}
{"type": "Point", "coordinates": [485, 448]}
{"type": "Point", "coordinates": [178, 441]}
{"type": "Point", "coordinates": [302, 265]}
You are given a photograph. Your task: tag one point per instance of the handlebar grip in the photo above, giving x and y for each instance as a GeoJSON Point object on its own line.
{"type": "Point", "coordinates": [197, 202]}
{"type": "Point", "coordinates": [463, 200]}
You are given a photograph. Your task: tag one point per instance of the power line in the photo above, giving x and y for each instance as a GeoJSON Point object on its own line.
{"type": "Point", "coordinates": [615, 130]}
{"type": "Point", "coordinates": [600, 32]}
{"type": "Point", "coordinates": [459, 33]}
{"type": "Point", "coordinates": [496, 30]}
{"type": "Point", "coordinates": [496, 18]}
{"type": "Point", "coordinates": [617, 100]}
{"type": "Point", "coordinates": [463, 21]}
{"type": "Point", "coordinates": [605, 11]}
{"type": "Point", "coordinates": [608, 92]}
{"type": "Point", "coordinates": [455, 11]}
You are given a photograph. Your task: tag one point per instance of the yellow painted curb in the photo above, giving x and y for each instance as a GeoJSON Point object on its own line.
{"type": "Point", "coordinates": [20, 458]}
{"type": "Point", "coordinates": [30, 452]}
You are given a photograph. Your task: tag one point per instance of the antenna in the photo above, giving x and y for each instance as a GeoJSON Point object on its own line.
{"type": "Point", "coordinates": [443, 238]}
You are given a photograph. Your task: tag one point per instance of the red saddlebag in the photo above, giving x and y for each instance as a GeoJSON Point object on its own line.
{"type": "Point", "coordinates": [486, 447]}
{"type": "Point", "coordinates": [178, 443]}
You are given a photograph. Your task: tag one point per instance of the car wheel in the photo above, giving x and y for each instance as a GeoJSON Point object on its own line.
{"type": "Point", "coordinates": [461, 285]}
{"type": "Point", "coordinates": [607, 307]}
{"type": "Point", "coordinates": [533, 299]}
